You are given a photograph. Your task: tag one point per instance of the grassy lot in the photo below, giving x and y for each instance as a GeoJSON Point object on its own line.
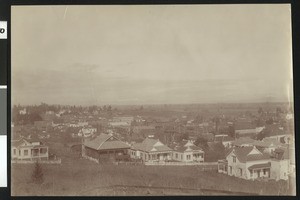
{"type": "Point", "coordinates": [77, 176]}
{"type": "Point", "coordinates": [83, 177]}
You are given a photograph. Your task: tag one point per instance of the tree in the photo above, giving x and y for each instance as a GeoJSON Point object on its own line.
{"type": "Point", "coordinates": [109, 108]}
{"type": "Point", "coordinates": [201, 142]}
{"type": "Point", "coordinates": [216, 120]}
{"type": "Point", "coordinates": [37, 174]}
{"type": "Point", "coordinates": [231, 131]}
{"type": "Point", "coordinates": [270, 121]}
{"type": "Point", "coordinates": [260, 110]}
{"type": "Point", "coordinates": [184, 136]}
{"type": "Point", "coordinates": [261, 135]}
{"type": "Point", "coordinates": [278, 111]}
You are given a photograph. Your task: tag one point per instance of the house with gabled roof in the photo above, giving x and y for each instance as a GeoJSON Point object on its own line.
{"type": "Point", "coordinates": [151, 150]}
{"type": "Point", "coordinates": [103, 147]}
{"type": "Point", "coordinates": [246, 162]}
{"type": "Point", "coordinates": [187, 152]}
{"type": "Point", "coordinates": [28, 149]}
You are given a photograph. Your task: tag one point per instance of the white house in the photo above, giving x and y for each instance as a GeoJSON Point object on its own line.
{"type": "Point", "coordinates": [24, 149]}
{"type": "Point", "coordinates": [246, 162]}
{"type": "Point", "coordinates": [250, 163]}
{"type": "Point", "coordinates": [151, 150]}
{"type": "Point", "coordinates": [188, 152]}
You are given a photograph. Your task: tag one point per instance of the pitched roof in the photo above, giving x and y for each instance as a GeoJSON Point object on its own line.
{"type": "Point", "coordinates": [223, 138]}
{"type": "Point", "coordinates": [102, 142]}
{"type": "Point", "coordinates": [244, 154]}
{"type": "Point", "coordinates": [21, 141]}
{"type": "Point", "coordinates": [243, 141]}
{"type": "Point", "coordinates": [260, 166]}
{"type": "Point", "coordinates": [281, 154]}
{"type": "Point", "coordinates": [17, 143]}
{"type": "Point", "coordinates": [266, 143]}
{"type": "Point", "coordinates": [148, 144]}
{"type": "Point", "coordinates": [184, 146]}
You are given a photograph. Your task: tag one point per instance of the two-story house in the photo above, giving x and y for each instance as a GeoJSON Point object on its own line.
{"type": "Point", "coordinates": [248, 163]}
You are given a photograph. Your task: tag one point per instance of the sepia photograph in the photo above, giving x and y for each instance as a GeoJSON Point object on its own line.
{"type": "Point", "coordinates": [152, 100]}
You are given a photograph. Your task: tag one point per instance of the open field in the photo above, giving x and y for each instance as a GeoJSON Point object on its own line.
{"type": "Point", "coordinates": [85, 178]}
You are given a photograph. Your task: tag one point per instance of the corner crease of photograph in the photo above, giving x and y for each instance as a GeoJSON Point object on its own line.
{"type": "Point", "coordinates": [153, 76]}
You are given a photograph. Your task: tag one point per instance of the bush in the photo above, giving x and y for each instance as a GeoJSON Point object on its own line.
{"type": "Point", "coordinates": [37, 174]}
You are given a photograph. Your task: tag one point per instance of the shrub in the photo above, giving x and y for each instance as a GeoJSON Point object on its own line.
{"type": "Point", "coordinates": [37, 174]}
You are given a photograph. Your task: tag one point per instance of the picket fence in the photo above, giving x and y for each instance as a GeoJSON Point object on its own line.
{"type": "Point", "coordinates": [57, 161]}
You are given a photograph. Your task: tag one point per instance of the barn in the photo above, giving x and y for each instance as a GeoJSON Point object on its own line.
{"type": "Point", "coordinates": [104, 147]}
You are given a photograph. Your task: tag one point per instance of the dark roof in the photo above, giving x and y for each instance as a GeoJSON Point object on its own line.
{"type": "Point", "coordinates": [263, 156]}
{"type": "Point", "coordinates": [281, 154]}
{"type": "Point", "coordinates": [243, 140]}
{"type": "Point", "coordinates": [17, 143]}
{"type": "Point", "coordinates": [260, 166]}
{"type": "Point", "coordinates": [266, 143]}
{"type": "Point", "coordinates": [224, 138]}
{"type": "Point", "coordinates": [105, 142]}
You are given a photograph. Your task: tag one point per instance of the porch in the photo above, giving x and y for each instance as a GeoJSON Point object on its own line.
{"type": "Point", "coordinates": [260, 171]}
{"type": "Point", "coordinates": [159, 156]}
{"type": "Point", "coordinates": [223, 166]}
{"type": "Point", "coordinates": [39, 152]}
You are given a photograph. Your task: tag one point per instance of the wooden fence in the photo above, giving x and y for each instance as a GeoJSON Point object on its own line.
{"type": "Point", "coordinates": [57, 161]}
{"type": "Point", "coordinates": [183, 163]}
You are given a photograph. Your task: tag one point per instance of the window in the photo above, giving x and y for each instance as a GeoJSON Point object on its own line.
{"type": "Point", "coordinates": [25, 152]}
{"type": "Point", "coordinates": [234, 159]}
{"type": "Point", "coordinates": [265, 171]}
{"type": "Point", "coordinates": [15, 151]}
{"type": "Point", "coordinates": [176, 155]}
{"type": "Point", "coordinates": [241, 171]}
{"type": "Point", "coordinates": [188, 157]}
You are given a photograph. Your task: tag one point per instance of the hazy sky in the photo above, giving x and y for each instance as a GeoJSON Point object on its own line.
{"type": "Point", "coordinates": [151, 54]}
